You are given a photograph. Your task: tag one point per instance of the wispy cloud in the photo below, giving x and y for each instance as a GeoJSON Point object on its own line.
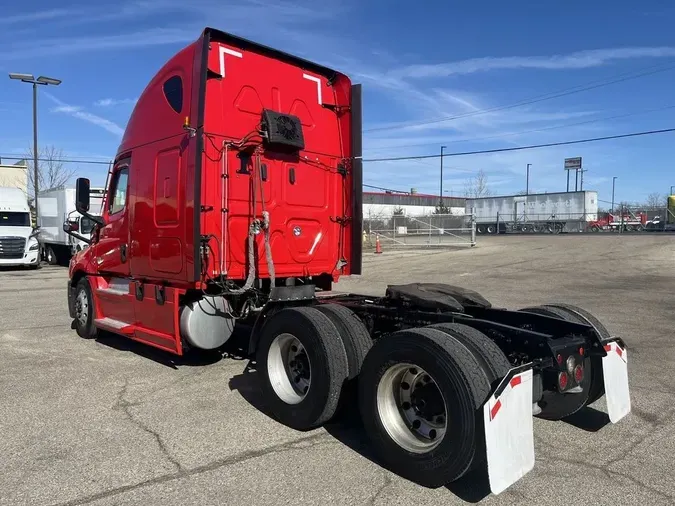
{"type": "Point", "coordinates": [112, 102]}
{"type": "Point", "coordinates": [80, 113]}
{"type": "Point", "coordinates": [31, 17]}
{"type": "Point", "coordinates": [63, 46]}
{"type": "Point", "coordinates": [245, 17]}
{"type": "Point", "coordinates": [576, 60]}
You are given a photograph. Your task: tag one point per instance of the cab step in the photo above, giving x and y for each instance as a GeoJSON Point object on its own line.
{"type": "Point", "coordinates": [114, 325]}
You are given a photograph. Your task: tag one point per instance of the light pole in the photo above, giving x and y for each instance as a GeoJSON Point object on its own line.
{"type": "Point", "coordinates": [527, 180]}
{"type": "Point", "coordinates": [28, 78]}
{"type": "Point", "coordinates": [441, 193]}
{"type": "Point", "coordinates": [613, 181]}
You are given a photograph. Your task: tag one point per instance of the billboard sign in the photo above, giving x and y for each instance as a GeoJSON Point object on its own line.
{"type": "Point", "coordinates": [573, 163]}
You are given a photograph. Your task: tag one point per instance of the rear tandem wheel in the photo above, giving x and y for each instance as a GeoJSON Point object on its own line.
{"type": "Point", "coordinates": [303, 366]}
{"type": "Point", "coordinates": [554, 405]}
{"type": "Point", "coordinates": [420, 395]}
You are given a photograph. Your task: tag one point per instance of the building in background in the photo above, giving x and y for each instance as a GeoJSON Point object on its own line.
{"type": "Point", "coordinates": [14, 176]}
{"type": "Point", "coordinates": [382, 206]}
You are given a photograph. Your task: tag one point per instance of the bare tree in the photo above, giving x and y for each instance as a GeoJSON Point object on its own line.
{"type": "Point", "coordinates": [655, 199]}
{"type": "Point", "coordinates": [51, 170]}
{"type": "Point", "coordinates": [477, 186]}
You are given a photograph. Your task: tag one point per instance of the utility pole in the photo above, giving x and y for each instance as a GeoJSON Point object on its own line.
{"type": "Point", "coordinates": [440, 203]}
{"type": "Point", "coordinates": [582, 179]}
{"type": "Point", "coordinates": [527, 180]}
{"type": "Point", "coordinates": [613, 181]}
{"type": "Point", "coordinates": [30, 79]}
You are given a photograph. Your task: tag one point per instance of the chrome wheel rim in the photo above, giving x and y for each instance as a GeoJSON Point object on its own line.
{"type": "Point", "coordinates": [82, 307]}
{"type": "Point", "coordinates": [289, 369]}
{"type": "Point", "coordinates": [411, 408]}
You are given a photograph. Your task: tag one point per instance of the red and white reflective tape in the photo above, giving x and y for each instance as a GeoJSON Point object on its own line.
{"type": "Point", "coordinates": [515, 381]}
{"type": "Point", "coordinates": [617, 349]}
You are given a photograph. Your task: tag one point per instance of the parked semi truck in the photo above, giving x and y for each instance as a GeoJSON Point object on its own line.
{"type": "Point", "coordinates": [537, 212]}
{"type": "Point", "coordinates": [56, 206]}
{"type": "Point", "coordinates": [235, 199]}
{"type": "Point", "coordinates": [18, 238]}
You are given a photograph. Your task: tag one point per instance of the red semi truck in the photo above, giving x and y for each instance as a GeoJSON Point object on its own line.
{"type": "Point", "coordinates": [235, 198]}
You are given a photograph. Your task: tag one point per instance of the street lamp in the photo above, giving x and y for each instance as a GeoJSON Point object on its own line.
{"type": "Point", "coordinates": [42, 80]}
{"type": "Point", "coordinates": [441, 193]}
{"type": "Point", "coordinates": [613, 181]}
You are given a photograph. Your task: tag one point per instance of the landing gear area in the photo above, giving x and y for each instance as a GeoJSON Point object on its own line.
{"type": "Point", "coordinates": [444, 382]}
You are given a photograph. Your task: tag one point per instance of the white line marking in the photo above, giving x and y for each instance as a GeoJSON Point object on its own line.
{"type": "Point", "coordinates": [318, 85]}
{"type": "Point", "coordinates": [223, 52]}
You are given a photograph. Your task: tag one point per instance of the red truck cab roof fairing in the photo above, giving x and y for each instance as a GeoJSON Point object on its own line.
{"type": "Point", "coordinates": [221, 85]}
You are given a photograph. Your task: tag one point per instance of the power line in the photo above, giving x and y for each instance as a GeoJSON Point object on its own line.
{"type": "Point", "coordinates": [536, 130]}
{"type": "Point", "coordinates": [538, 98]}
{"type": "Point", "coordinates": [59, 160]}
{"type": "Point", "coordinates": [521, 148]}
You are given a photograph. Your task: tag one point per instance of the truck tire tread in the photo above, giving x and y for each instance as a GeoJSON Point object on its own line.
{"type": "Point", "coordinates": [329, 370]}
{"type": "Point", "coordinates": [484, 349]}
{"type": "Point", "coordinates": [353, 332]}
{"type": "Point", "coordinates": [89, 331]}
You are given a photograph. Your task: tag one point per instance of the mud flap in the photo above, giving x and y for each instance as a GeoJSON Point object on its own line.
{"type": "Point", "coordinates": [509, 433]}
{"type": "Point", "coordinates": [615, 373]}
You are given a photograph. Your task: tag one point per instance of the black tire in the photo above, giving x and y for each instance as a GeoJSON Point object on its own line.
{"type": "Point", "coordinates": [490, 357]}
{"type": "Point", "coordinates": [85, 329]}
{"type": "Point", "coordinates": [554, 405]}
{"type": "Point", "coordinates": [51, 256]}
{"type": "Point", "coordinates": [579, 315]}
{"type": "Point", "coordinates": [328, 366]}
{"type": "Point", "coordinates": [485, 351]}
{"type": "Point", "coordinates": [353, 332]}
{"type": "Point", "coordinates": [463, 385]}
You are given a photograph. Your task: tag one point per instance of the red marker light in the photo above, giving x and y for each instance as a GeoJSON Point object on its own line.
{"type": "Point", "coordinates": [581, 351]}
{"type": "Point", "coordinates": [559, 359]}
{"type": "Point", "coordinates": [578, 374]}
{"type": "Point", "coordinates": [562, 380]}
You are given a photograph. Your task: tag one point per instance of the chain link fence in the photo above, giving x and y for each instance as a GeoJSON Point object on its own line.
{"type": "Point", "coordinates": [434, 230]}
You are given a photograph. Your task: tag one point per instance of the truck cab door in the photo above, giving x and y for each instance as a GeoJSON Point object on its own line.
{"type": "Point", "coordinates": [112, 250]}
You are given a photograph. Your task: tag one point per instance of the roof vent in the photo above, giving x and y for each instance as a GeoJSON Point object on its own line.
{"type": "Point", "coordinates": [283, 131]}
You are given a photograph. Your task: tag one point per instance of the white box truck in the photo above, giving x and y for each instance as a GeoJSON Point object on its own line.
{"type": "Point", "coordinates": [18, 239]}
{"type": "Point", "coordinates": [57, 206]}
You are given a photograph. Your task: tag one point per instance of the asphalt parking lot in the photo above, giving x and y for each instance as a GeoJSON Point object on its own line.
{"type": "Point", "coordinates": [114, 423]}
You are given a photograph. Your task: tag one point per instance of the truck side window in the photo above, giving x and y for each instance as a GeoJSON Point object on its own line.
{"type": "Point", "coordinates": [119, 195]}
{"type": "Point", "coordinates": [173, 91]}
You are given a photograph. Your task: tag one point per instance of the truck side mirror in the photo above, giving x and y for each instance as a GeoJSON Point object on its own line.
{"type": "Point", "coordinates": [82, 195]}
{"type": "Point", "coordinates": [71, 226]}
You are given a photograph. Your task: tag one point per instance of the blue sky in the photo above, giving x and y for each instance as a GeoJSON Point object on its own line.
{"type": "Point", "coordinates": [417, 65]}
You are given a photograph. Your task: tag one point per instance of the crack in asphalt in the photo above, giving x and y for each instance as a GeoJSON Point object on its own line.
{"type": "Point", "coordinates": [655, 421]}
{"type": "Point", "coordinates": [379, 492]}
{"type": "Point", "coordinates": [298, 444]}
{"type": "Point", "coordinates": [125, 406]}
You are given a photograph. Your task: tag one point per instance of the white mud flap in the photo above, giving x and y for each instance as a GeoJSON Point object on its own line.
{"type": "Point", "coordinates": [509, 433]}
{"type": "Point", "coordinates": [615, 373]}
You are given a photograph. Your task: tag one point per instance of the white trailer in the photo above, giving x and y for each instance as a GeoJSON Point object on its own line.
{"type": "Point", "coordinates": [18, 244]}
{"type": "Point", "coordinates": [55, 207]}
{"type": "Point", "coordinates": [14, 176]}
{"type": "Point", "coordinates": [541, 212]}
